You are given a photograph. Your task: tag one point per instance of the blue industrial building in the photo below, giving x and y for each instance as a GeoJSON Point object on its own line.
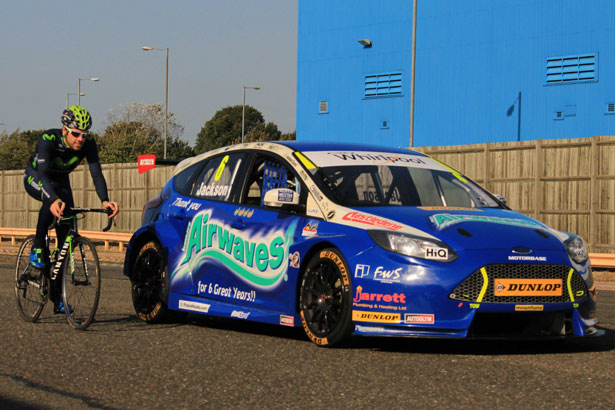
{"type": "Point", "coordinates": [486, 70]}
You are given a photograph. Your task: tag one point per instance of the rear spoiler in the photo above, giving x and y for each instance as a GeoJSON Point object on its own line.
{"type": "Point", "coordinates": [149, 162]}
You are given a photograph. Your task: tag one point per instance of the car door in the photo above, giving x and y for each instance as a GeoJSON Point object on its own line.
{"type": "Point", "coordinates": [199, 215]}
{"type": "Point", "coordinates": [249, 260]}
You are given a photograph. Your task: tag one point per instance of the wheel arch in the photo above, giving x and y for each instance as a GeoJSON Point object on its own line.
{"type": "Point", "coordinates": [139, 239]}
{"type": "Point", "coordinates": [317, 247]}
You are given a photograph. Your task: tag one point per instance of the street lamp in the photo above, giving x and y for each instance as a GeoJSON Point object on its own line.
{"type": "Point", "coordinates": [166, 95]}
{"type": "Point", "coordinates": [243, 110]}
{"type": "Point", "coordinates": [79, 87]}
{"type": "Point", "coordinates": [412, 74]}
{"type": "Point", "coordinates": [67, 94]}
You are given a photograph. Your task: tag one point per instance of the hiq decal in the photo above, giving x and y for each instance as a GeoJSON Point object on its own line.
{"type": "Point", "coordinates": [256, 258]}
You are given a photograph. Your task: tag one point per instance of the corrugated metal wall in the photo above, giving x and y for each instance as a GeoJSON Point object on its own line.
{"type": "Point", "coordinates": [474, 59]}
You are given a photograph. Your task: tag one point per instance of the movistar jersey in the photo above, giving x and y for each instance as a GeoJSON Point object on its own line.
{"type": "Point", "coordinates": [53, 159]}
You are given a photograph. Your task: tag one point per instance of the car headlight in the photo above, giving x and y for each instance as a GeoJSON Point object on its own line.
{"type": "Point", "coordinates": [414, 246]}
{"type": "Point", "coordinates": [577, 249]}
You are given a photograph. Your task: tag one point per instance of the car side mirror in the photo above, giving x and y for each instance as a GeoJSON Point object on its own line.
{"type": "Point", "coordinates": [501, 198]}
{"type": "Point", "coordinates": [281, 197]}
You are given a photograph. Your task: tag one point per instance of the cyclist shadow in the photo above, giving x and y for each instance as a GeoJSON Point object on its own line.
{"type": "Point", "coordinates": [103, 322]}
{"type": "Point", "coordinates": [117, 322]}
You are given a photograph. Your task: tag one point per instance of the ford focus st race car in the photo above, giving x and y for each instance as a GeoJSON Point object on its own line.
{"type": "Point", "coordinates": [349, 239]}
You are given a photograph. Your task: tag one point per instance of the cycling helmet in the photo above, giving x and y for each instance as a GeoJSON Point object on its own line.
{"type": "Point", "coordinates": [77, 117]}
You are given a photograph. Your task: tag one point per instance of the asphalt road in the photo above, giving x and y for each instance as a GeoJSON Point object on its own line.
{"type": "Point", "coordinates": [122, 363]}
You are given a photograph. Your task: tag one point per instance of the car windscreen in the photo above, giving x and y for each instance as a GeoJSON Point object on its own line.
{"type": "Point", "coordinates": [384, 185]}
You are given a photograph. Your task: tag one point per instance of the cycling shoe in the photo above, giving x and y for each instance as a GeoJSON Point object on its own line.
{"type": "Point", "coordinates": [59, 308]}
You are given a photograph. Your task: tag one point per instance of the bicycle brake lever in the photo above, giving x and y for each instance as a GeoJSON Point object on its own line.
{"type": "Point", "coordinates": [111, 220]}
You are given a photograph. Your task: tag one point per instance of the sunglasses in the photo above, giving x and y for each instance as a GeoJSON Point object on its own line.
{"type": "Point", "coordinates": [78, 134]}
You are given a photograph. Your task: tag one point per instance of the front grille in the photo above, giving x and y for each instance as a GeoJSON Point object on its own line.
{"type": "Point", "coordinates": [470, 289]}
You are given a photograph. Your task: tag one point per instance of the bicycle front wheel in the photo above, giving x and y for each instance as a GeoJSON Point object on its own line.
{"type": "Point", "coordinates": [31, 284]}
{"type": "Point", "coordinates": [81, 283]}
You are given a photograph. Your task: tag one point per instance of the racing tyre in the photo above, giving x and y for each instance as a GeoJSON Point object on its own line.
{"type": "Point", "coordinates": [325, 299]}
{"type": "Point", "coordinates": [31, 284]}
{"type": "Point", "coordinates": [81, 283]}
{"type": "Point", "coordinates": [148, 281]}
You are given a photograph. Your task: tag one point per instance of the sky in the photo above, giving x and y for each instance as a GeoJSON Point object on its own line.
{"type": "Point", "coordinates": [216, 47]}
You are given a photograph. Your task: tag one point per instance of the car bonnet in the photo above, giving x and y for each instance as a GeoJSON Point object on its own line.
{"type": "Point", "coordinates": [460, 228]}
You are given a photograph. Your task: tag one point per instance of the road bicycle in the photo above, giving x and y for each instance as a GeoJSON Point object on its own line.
{"type": "Point", "coordinates": [75, 264]}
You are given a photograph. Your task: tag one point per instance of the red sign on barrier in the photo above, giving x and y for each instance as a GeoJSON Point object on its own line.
{"type": "Point", "coordinates": [146, 162]}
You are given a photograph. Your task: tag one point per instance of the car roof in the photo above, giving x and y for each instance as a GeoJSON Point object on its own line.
{"type": "Point", "coordinates": [336, 146]}
{"type": "Point", "coordinates": [296, 146]}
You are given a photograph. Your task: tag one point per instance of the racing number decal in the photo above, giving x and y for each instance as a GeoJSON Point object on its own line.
{"type": "Point", "coordinates": [220, 168]}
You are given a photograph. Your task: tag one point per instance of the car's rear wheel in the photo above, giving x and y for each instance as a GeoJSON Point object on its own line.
{"type": "Point", "coordinates": [148, 280]}
{"type": "Point", "coordinates": [325, 299]}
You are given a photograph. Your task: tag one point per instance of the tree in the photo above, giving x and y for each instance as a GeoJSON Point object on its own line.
{"type": "Point", "coordinates": [136, 129]}
{"type": "Point", "coordinates": [225, 127]}
{"type": "Point", "coordinates": [151, 115]}
{"type": "Point", "coordinates": [17, 148]}
{"type": "Point", "coordinates": [125, 141]}
{"type": "Point", "coordinates": [288, 136]}
{"type": "Point", "coordinates": [262, 132]}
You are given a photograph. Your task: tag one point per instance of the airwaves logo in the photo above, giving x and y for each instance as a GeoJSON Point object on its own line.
{"type": "Point", "coordinates": [259, 259]}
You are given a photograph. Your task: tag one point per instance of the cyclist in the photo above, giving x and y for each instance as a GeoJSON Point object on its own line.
{"type": "Point", "coordinates": [58, 152]}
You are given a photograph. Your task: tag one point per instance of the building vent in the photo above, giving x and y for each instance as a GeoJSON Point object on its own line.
{"type": "Point", "coordinates": [609, 108]}
{"type": "Point", "coordinates": [567, 111]}
{"type": "Point", "coordinates": [323, 107]}
{"type": "Point", "coordinates": [572, 69]}
{"type": "Point", "coordinates": [383, 84]}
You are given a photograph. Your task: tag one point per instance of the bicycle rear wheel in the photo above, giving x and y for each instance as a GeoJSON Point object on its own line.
{"type": "Point", "coordinates": [31, 284]}
{"type": "Point", "coordinates": [81, 283]}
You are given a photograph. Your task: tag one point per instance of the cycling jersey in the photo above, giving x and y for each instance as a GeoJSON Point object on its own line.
{"type": "Point", "coordinates": [53, 160]}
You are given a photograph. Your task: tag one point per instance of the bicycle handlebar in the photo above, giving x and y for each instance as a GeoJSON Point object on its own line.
{"type": "Point", "coordinates": [75, 211]}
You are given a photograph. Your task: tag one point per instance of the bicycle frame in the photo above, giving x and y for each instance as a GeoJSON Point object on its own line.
{"type": "Point", "coordinates": [56, 269]}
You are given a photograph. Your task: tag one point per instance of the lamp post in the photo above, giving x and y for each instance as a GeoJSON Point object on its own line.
{"type": "Point", "coordinates": [79, 87]}
{"type": "Point", "coordinates": [67, 94]}
{"type": "Point", "coordinates": [413, 68]}
{"type": "Point", "coordinates": [243, 110]}
{"type": "Point", "coordinates": [166, 95]}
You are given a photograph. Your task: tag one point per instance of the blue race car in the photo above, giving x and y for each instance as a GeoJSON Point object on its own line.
{"type": "Point", "coordinates": [350, 239]}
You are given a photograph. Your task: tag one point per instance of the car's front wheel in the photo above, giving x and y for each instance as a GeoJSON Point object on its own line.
{"type": "Point", "coordinates": [148, 280]}
{"type": "Point", "coordinates": [325, 299]}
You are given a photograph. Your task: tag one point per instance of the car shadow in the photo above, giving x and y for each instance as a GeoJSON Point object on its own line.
{"type": "Point", "coordinates": [488, 347]}
{"type": "Point", "coordinates": [483, 347]}
{"type": "Point", "coordinates": [243, 326]}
